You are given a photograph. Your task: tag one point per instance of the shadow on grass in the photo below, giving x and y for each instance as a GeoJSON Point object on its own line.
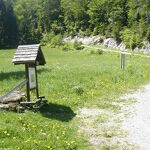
{"type": "Point", "coordinates": [18, 74]}
{"type": "Point", "coordinates": [58, 112]}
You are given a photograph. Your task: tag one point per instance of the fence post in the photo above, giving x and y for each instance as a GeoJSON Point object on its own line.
{"type": "Point", "coordinates": [122, 61]}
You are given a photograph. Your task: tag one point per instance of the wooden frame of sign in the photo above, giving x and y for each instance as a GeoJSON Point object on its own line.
{"type": "Point", "coordinates": [32, 81]}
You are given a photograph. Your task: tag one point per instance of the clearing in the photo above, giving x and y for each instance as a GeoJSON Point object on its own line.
{"type": "Point", "coordinates": [84, 109]}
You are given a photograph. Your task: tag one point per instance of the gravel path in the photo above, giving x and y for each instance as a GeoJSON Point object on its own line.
{"type": "Point", "coordinates": [138, 124]}
{"type": "Point", "coordinates": [132, 132]}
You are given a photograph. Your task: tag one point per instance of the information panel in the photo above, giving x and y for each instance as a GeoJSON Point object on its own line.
{"type": "Point", "coordinates": [32, 78]}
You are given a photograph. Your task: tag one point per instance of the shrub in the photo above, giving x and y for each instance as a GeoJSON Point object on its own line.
{"type": "Point", "coordinates": [115, 31]}
{"type": "Point", "coordinates": [78, 45]}
{"type": "Point", "coordinates": [139, 41]}
{"type": "Point", "coordinates": [127, 37]}
{"type": "Point", "coordinates": [87, 32]}
{"type": "Point", "coordinates": [56, 41]}
{"type": "Point", "coordinates": [95, 31]}
{"type": "Point", "coordinates": [131, 39]}
{"type": "Point", "coordinates": [100, 51]}
{"type": "Point", "coordinates": [66, 47]}
{"type": "Point", "coordinates": [97, 51]}
{"type": "Point", "coordinates": [148, 34]}
{"type": "Point", "coordinates": [52, 40]}
{"type": "Point", "coordinates": [92, 51]}
{"type": "Point", "coordinates": [47, 38]}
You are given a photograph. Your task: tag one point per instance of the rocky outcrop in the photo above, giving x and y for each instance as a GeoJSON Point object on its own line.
{"type": "Point", "coordinates": [105, 42]}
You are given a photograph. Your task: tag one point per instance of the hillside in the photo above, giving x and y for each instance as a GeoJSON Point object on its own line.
{"type": "Point", "coordinates": [26, 21]}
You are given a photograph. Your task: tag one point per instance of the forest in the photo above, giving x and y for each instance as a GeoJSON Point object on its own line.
{"type": "Point", "coordinates": [26, 21]}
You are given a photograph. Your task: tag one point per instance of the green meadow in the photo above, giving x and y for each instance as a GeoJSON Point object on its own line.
{"type": "Point", "coordinates": [69, 81]}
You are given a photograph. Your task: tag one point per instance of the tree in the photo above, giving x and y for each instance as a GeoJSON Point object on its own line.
{"type": "Point", "coordinates": [8, 25]}
{"type": "Point", "coordinates": [75, 15]}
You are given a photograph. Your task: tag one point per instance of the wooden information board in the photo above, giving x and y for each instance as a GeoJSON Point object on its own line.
{"type": "Point", "coordinates": [32, 78]}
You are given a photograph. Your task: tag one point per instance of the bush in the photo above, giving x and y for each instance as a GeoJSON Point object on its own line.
{"type": "Point", "coordinates": [47, 38]}
{"type": "Point", "coordinates": [66, 47]}
{"type": "Point", "coordinates": [95, 31]}
{"type": "Point", "coordinates": [127, 37]}
{"type": "Point", "coordinates": [131, 39]}
{"type": "Point", "coordinates": [115, 32]}
{"type": "Point", "coordinates": [87, 32]}
{"type": "Point", "coordinates": [148, 34]}
{"type": "Point", "coordinates": [97, 51]}
{"type": "Point", "coordinates": [78, 45]}
{"type": "Point", "coordinates": [139, 41]}
{"type": "Point", "coordinates": [56, 41]}
{"type": "Point", "coordinates": [100, 51]}
{"type": "Point", "coordinates": [52, 40]}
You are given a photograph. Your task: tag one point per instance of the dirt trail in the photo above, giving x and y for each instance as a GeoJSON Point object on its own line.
{"type": "Point", "coordinates": [117, 51]}
{"type": "Point", "coordinates": [128, 130]}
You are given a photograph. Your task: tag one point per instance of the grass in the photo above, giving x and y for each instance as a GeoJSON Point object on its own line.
{"type": "Point", "coordinates": [69, 80]}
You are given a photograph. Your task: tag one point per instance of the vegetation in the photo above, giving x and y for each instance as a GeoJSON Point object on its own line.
{"type": "Point", "coordinates": [69, 81]}
{"type": "Point", "coordinates": [78, 45]}
{"type": "Point", "coordinates": [26, 21]}
{"type": "Point", "coordinates": [74, 76]}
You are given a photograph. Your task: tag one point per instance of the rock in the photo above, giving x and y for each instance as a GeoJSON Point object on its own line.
{"type": "Point", "coordinates": [105, 42]}
{"type": "Point", "coordinates": [11, 101]}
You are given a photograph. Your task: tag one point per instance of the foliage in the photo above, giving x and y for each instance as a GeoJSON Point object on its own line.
{"type": "Point", "coordinates": [97, 51]}
{"type": "Point", "coordinates": [131, 39]}
{"type": "Point", "coordinates": [78, 45]}
{"type": "Point", "coordinates": [8, 25]}
{"type": "Point", "coordinates": [100, 51]}
{"type": "Point", "coordinates": [52, 40]}
{"type": "Point", "coordinates": [67, 47]}
{"type": "Point", "coordinates": [26, 21]}
{"type": "Point", "coordinates": [56, 41]}
{"type": "Point", "coordinates": [47, 38]}
{"type": "Point", "coordinates": [148, 34]}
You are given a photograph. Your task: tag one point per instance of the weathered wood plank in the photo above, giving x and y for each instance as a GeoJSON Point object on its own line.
{"type": "Point", "coordinates": [14, 97]}
{"type": "Point", "coordinates": [20, 56]}
{"type": "Point", "coordinates": [17, 88]}
{"type": "Point", "coordinates": [24, 59]}
{"type": "Point", "coordinates": [26, 53]}
{"type": "Point", "coordinates": [22, 46]}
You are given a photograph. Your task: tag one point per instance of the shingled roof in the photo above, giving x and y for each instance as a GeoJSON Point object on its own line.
{"type": "Point", "coordinates": [29, 54]}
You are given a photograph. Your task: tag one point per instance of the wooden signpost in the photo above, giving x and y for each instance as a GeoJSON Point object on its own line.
{"type": "Point", "coordinates": [31, 56]}
{"type": "Point", "coordinates": [122, 61]}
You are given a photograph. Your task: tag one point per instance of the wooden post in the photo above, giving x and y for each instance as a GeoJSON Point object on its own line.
{"type": "Point", "coordinates": [37, 90]}
{"type": "Point", "coordinates": [27, 78]}
{"type": "Point", "coordinates": [122, 61]}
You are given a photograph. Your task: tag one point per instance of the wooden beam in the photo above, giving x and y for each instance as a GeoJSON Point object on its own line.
{"type": "Point", "coordinates": [37, 88]}
{"type": "Point", "coordinates": [27, 79]}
